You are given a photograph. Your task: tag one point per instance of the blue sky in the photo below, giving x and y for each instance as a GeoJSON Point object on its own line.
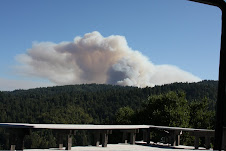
{"type": "Point", "coordinates": [176, 32]}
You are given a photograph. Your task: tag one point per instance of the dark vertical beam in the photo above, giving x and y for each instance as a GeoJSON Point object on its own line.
{"type": "Point", "coordinates": [69, 142]}
{"type": "Point", "coordinates": [96, 136]}
{"type": "Point", "coordinates": [196, 142]}
{"type": "Point", "coordinates": [146, 136]}
{"type": "Point", "coordinates": [12, 147]}
{"type": "Point", "coordinates": [175, 137]}
{"type": "Point", "coordinates": [105, 137]}
{"type": "Point", "coordinates": [17, 138]}
{"type": "Point", "coordinates": [60, 139]}
{"type": "Point", "coordinates": [172, 138]}
{"type": "Point", "coordinates": [132, 135]}
{"type": "Point", "coordinates": [221, 96]}
{"type": "Point", "coordinates": [132, 138]}
{"type": "Point", "coordinates": [70, 133]}
{"type": "Point", "coordinates": [12, 141]}
{"type": "Point", "coordinates": [221, 105]}
{"type": "Point", "coordinates": [224, 139]}
{"type": "Point", "coordinates": [124, 137]}
{"type": "Point", "coordinates": [178, 139]}
{"type": "Point", "coordinates": [207, 142]}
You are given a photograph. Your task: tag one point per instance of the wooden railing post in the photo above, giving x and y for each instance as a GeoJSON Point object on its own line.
{"type": "Point", "coordinates": [104, 134]}
{"type": "Point", "coordinates": [146, 135]}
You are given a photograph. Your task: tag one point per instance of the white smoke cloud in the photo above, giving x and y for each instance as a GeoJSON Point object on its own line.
{"type": "Point", "coordinates": [97, 59]}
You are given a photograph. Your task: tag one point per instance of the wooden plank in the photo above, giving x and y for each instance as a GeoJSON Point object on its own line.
{"type": "Point", "coordinates": [72, 126]}
{"type": "Point", "coordinates": [96, 127]}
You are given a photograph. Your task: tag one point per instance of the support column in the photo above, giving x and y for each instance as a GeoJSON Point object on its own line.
{"type": "Point", "coordinates": [178, 140]}
{"type": "Point", "coordinates": [132, 138]}
{"type": "Point", "coordinates": [198, 134]}
{"type": "Point", "coordinates": [221, 96]}
{"type": "Point", "coordinates": [146, 136]}
{"type": "Point", "coordinates": [207, 142]}
{"type": "Point", "coordinates": [104, 139]}
{"type": "Point", "coordinates": [60, 140]}
{"type": "Point", "coordinates": [132, 135]}
{"type": "Point", "coordinates": [124, 137]}
{"type": "Point", "coordinates": [175, 138]}
{"type": "Point", "coordinates": [224, 139]}
{"type": "Point", "coordinates": [12, 141]}
{"type": "Point", "coordinates": [96, 141]}
{"type": "Point", "coordinates": [104, 134]}
{"type": "Point", "coordinates": [17, 138]}
{"type": "Point", "coordinates": [70, 133]}
{"type": "Point", "coordinates": [196, 142]}
{"type": "Point", "coordinates": [12, 147]}
{"type": "Point", "coordinates": [172, 139]}
{"type": "Point", "coordinates": [69, 142]}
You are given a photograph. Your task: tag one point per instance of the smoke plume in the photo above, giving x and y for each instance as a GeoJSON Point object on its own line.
{"type": "Point", "coordinates": [97, 59]}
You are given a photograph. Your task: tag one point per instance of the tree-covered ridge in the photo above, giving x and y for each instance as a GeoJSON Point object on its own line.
{"type": "Point", "coordinates": [98, 101]}
{"type": "Point", "coordinates": [42, 105]}
{"type": "Point", "coordinates": [177, 104]}
{"type": "Point", "coordinates": [199, 90]}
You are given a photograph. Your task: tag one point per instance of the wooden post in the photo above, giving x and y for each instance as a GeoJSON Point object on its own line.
{"type": "Point", "coordinates": [60, 139]}
{"type": "Point", "coordinates": [196, 142]}
{"type": "Point", "coordinates": [104, 139]}
{"type": "Point", "coordinates": [207, 142]}
{"type": "Point", "coordinates": [224, 139]}
{"type": "Point", "coordinates": [198, 134]}
{"type": "Point", "coordinates": [124, 137]}
{"type": "Point", "coordinates": [172, 138]}
{"type": "Point", "coordinates": [132, 138]}
{"type": "Point", "coordinates": [178, 140]}
{"type": "Point", "coordinates": [70, 133]}
{"type": "Point", "coordinates": [132, 135]}
{"type": "Point", "coordinates": [96, 138]}
{"type": "Point", "coordinates": [17, 138]}
{"type": "Point", "coordinates": [12, 147]}
{"type": "Point", "coordinates": [146, 136]}
{"type": "Point", "coordinates": [12, 141]}
{"type": "Point", "coordinates": [104, 134]}
{"type": "Point", "coordinates": [69, 142]}
{"type": "Point", "coordinates": [175, 137]}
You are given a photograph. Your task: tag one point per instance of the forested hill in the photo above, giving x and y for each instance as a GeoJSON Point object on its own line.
{"type": "Point", "coordinates": [206, 88]}
{"type": "Point", "coordinates": [191, 103]}
{"type": "Point", "coordinates": [87, 103]}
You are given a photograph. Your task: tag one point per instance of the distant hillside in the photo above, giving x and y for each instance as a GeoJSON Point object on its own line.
{"type": "Point", "coordinates": [97, 101]}
{"type": "Point", "coordinates": [193, 90]}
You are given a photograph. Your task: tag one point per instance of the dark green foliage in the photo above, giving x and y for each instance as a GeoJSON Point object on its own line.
{"type": "Point", "coordinates": [202, 115]}
{"type": "Point", "coordinates": [40, 139]}
{"type": "Point", "coordinates": [124, 115]}
{"type": "Point", "coordinates": [169, 109]}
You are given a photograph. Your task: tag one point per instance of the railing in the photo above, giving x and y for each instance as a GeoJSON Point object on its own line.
{"type": "Point", "coordinates": [102, 131]}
